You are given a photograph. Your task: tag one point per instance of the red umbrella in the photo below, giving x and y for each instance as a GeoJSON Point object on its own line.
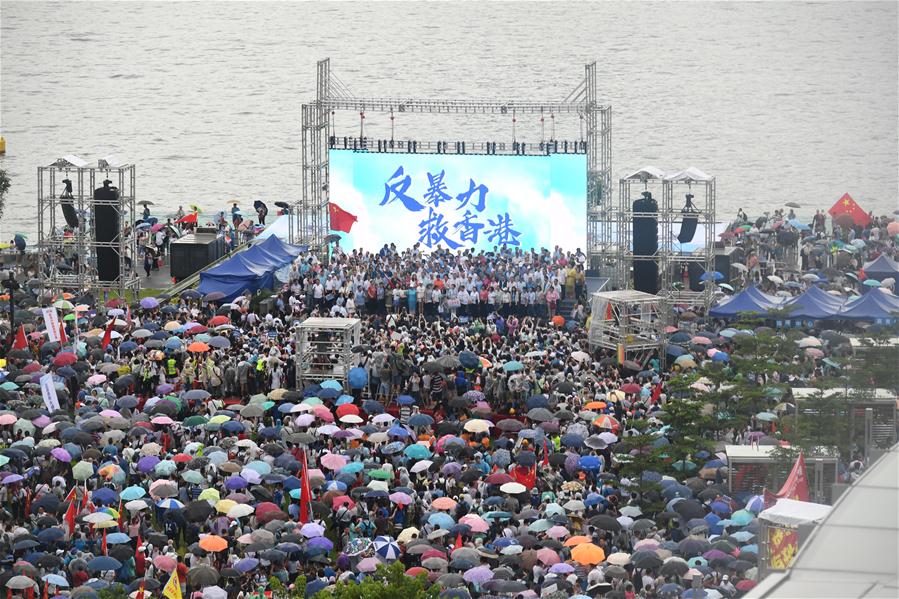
{"type": "Point", "coordinates": [181, 458]}
{"type": "Point", "coordinates": [266, 506]}
{"type": "Point", "coordinates": [65, 359]}
{"type": "Point", "coordinates": [197, 329]}
{"type": "Point", "coordinates": [336, 502]}
{"type": "Point", "coordinates": [631, 388]}
{"type": "Point", "coordinates": [347, 408]}
{"type": "Point", "coordinates": [217, 320]}
{"type": "Point", "coordinates": [31, 368]}
{"type": "Point", "coordinates": [499, 478]}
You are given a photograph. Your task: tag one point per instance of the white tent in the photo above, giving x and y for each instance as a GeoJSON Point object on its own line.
{"type": "Point", "coordinates": [647, 173]}
{"type": "Point", "coordinates": [789, 512]}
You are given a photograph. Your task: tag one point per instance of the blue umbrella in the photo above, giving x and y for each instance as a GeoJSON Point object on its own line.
{"type": "Point", "coordinates": [711, 276]}
{"type": "Point", "coordinates": [675, 350]}
{"type": "Point", "coordinates": [173, 343]}
{"type": "Point", "coordinates": [421, 420]}
{"type": "Point", "coordinates": [233, 426]}
{"type": "Point", "coordinates": [513, 366]}
{"type": "Point", "coordinates": [117, 538]}
{"type": "Point", "coordinates": [370, 406]}
{"type": "Point", "coordinates": [329, 393]}
{"type": "Point", "coordinates": [417, 452]}
{"type": "Point", "coordinates": [357, 378]}
{"type": "Point", "coordinates": [103, 563]}
{"type": "Point", "coordinates": [332, 384]}
{"type": "Point", "coordinates": [51, 535]}
{"type": "Point", "coordinates": [56, 580]}
{"type": "Point", "coordinates": [353, 467]}
{"type": "Point", "coordinates": [398, 431]}
{"type": "Point", "coordinates": [391, 448]}
{"type": "Point", "coordinates": [590, 462]}
{"type": "Point", "coordinates": [133, 493]}
{"type": "Point", "coordinates": [537, 401]}
{"type": "Point", "coordinates": [469, 359]}
{"type": "Point", "coordinates": [441, 520]}
{"type": "Point", "coordinates": [127, 347]}
{"type": "Point", "coordinates": [105, 495]}
{"type": "Point", "coordinates": [405, 400]}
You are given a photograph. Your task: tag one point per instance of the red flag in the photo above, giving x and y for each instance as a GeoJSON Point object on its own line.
{"type": "Point", "coordinates": [128, 315]}
{"type": "Point", "coordinates": [46, 593]}
{"type": "Point", "coordinates": [341, 220]}
{"type": "Point", "coordinates": [84, 499]}
{"type": "Point", "coordinates": [62, 334]}
{"type": "Point", "coordinates": [796, 486]}
{"type": "Point", "coordinates": [609, 315]}
{"type": "Point", "coordinates": [107, 336]}
{"type": "Point", "coordinates": [188, 218]}
{"type": "Point", "coordinates": [656, 393]}
{"type": "Point", "coordinates": [21, 341]}
{"type": "Point", "coordinates": [121, 516]}
{"type": "Point", "coordinates": [103, 544]}
{"type": "Point", "coordinates": [545, 453]}
{"type": "Point", "coordinates": [27, 501]}
{"type": "Point", "coordinates": [305, 490]}
{"type": "Point", "coordinates": [69, 518]}
{"type": "Point", "coordinates": [846, 205]}
{"type": "Point", "coordinates": [525, 476]}
{"type": "Point", "coordinates": [140, 591]}
{"type": "Point", "coordinates": [72, 496]}
{"type": "Point", "coordinates": [458, 540]}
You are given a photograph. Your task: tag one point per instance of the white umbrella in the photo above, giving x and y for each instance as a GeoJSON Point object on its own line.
{"type": "Point", "coordinates": [240, 510]}
{"type": "Point", "coordinates": [421, 466]}
{"type": "Point", "coordinates": [513, 488]}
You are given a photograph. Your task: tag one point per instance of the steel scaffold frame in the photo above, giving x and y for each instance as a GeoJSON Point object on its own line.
{"type": "Point", "coordinates": [309, 215]}
{"type": "Point", "coordinates": [82, 242]}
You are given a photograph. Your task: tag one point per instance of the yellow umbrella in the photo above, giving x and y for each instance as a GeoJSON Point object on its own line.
{"type": "Point", "coordinates": [219, 419]}
{"type": "Point", "coordinates": [224, 506]}
{"type": "Point", "coordinates": [210, 495]}
{"type": "Point", "coordinates": [107, 524]}
{"type": "Point", "coordinates": [172, 325]}
{"type": "Point", "coordinates": [408, 534]}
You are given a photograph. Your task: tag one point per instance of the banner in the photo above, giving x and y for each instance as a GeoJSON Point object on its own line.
{"type": "Point", "coordinates": [172, 589]}
{"type": "Point", "coordinates": [48, 391]}
{"type": "Point", "coordinates": [51, 321]}
{"type": "Point", "coordinates": [796, 486]}
{"type": "Point", "coordinates": [783, 544]}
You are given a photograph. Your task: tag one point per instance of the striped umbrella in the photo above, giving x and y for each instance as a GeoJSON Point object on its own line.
{"type": "Point", "coordinates": [387, 549]}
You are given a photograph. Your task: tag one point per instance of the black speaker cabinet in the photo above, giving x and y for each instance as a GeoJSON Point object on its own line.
{"type": "Point", "coordinates": [106, 229]}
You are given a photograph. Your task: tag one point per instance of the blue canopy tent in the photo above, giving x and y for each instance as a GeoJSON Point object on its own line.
{"type": "Point", "coordinates": [814, 304]}
{"type": "Point", "coordinates": [882, 268]}
{"type": "Point", "coordinates": [249, 270]}
{"type": "Point", "coordinates": [748, 300]}
{"type": "Point", "coordinates": [876, 306]}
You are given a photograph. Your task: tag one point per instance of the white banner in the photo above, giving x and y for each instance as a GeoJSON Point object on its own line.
{"type": "Point", "coordinates": [51, 321]}
{"type": "Point", "coordinates": [48, 391]}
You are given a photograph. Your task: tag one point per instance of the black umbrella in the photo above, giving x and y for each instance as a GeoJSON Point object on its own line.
{"type": "Point", "coordinates": [198, 511]}
{"type": "Point", "coordinates": [202, 576]}
{"type": "Point", "coordinates": [605, 522]}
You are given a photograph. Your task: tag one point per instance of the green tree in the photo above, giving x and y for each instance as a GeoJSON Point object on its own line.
{"type": "Point", "coordinates": [116, 591]}
{"type": "Point", "coordinates": [387, 582]}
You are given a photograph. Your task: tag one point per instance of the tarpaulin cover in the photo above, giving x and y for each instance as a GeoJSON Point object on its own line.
{"type": "Point", "coordinates": [748, 300]}
{"type": "Point", "coordinates": [874, 305]}
{"type": "Point", "coordinates": [814, 304]}
{"type": "Point", "coordinates": [789, 512]}
{"type": "Point", "coordinates": [249, 270]}
{"type": "Point", "coordinates": [882, 268]}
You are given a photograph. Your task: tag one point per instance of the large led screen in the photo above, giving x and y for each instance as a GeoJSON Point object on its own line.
{"type": "Point", "coordinates": [457, 202]}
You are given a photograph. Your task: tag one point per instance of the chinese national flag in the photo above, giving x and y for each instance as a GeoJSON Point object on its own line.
{"type": "Point", "coordinates": [69, 518]}
{"type": "Point", "coordinates": [846, 205]}
{"type": "Point", "coordinates": [341, 220]}
{"type": "Point", "coordinates": [140, 591]}
{"type": "Point", "coordinates": [21, 341]}
{"type": "Point", "coordinates": [107, 336]}
{"type": "Point", "coordinates": [63, 339]}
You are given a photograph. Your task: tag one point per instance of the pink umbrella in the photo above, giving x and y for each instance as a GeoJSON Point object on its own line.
{"type": "Point", "coordinates": [548, 556]}
{"type": "Point", "coordinates": [333, 461]}
{"type": "Point", "coordinates": [7, 419]}
{"type": "Point", "coordinates": [476, 523]}
{"type": "Point", "coordinates": [814, 352]}
{"type": "Point", "coordinates": [162, 421]}
{"type": "Point", "coordinates": [96, 379]}
{"type": "Point", "coordinates": [322, 413]}
{"type": "Point", "coordinates": [110, 414]}
{"type": "Point", "coordinates": [369, 564]}
{"type": "Point", "coordinates": [557, 532]}
{"type": "Point", "coordinates": [304, 420]}
{"type": "Point", "coordinates": [157, 227]}
{"type": "Point", "coordinates": [41, 421]}
{"type": "Point", "coordinates": [165, 563]}
{"type": "Point", "coordinates": [400, 498]}
{"type": "Point", "coordinates": [700, 340]}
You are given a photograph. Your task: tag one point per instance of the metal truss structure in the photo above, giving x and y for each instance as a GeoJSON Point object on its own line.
{"type": "Point", "coordinates": [697, 257]}
{"type": "Point", "coordinates": [581, 107]}
{"type": "Point", "coordinates": [325, 349]}
{"type": "Point", "coordinates": [70, 253]}
{"type": "Point", "coordinates": [626, 319]}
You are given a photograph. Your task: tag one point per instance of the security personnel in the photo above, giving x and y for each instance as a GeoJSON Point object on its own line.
{"type": "Point", "coordinates": [171, 367]}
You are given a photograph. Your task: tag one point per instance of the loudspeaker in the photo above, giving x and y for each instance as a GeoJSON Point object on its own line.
{"type": "Point", "coordinates": [106, 229]}
{"type": "Point", "coordinates": [68, 211]}
{"type": "Point", "coordinates": [695, 271]}
{"type": "Point", "coordinates": [646, 242]}
{"type": "Point", "coordinates": [687, 229]}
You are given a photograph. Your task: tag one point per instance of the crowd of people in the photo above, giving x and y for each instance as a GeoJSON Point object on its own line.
{"type": "Point", "coordinates": [473, 441]}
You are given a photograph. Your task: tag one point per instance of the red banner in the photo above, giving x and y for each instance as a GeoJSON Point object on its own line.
{"type": "Point", "coordinates": [783, 544]}
{"type": "Point", "coordinates": [796, 486]}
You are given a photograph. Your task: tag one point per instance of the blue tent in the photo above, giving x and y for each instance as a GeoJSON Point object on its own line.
{"type": "Point", "coordinates": [249, 270]}
{"type": "Point", "coordinates": [875, 305]}
{"type": "Point", "coordinates": [748, 300]}
{"type": "Point", "coordinates": [882, 268]}
{"type": "Point", "coordinates": [814, 304]}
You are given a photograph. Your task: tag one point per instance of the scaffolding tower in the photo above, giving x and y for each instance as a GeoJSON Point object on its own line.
{"type": "Point", "coordinates": [325, 349]}
{"type": "Point", "coordinates": [70, 249]}
{"type": "Point", "coordinates": [581, 111]}
{"type": "Point", "coordinates": [682, 264]}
